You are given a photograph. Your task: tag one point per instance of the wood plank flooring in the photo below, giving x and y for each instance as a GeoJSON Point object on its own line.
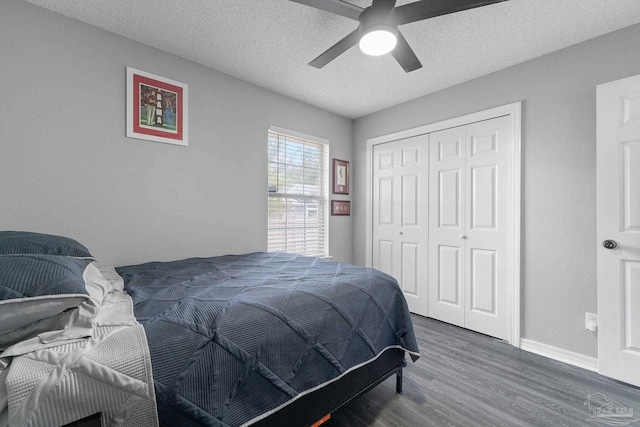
{"type": "Point", "coordinates": [468, 379]}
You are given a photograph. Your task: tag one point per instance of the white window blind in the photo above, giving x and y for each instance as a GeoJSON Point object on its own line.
{"type": "Point", "coordinates": [298, 195]}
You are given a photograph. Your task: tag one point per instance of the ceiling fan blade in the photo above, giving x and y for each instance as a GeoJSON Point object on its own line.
{"type": "Point", "coordinates": [338, 7]}
{"type": "Point", "coordinates": [337, 49]}
{"type": "Point", "coordinates": [387, 3]}
{"type": "Point", "coordinates": [425, 9]}
{"type": "Point", "coordinates": [405, 55]}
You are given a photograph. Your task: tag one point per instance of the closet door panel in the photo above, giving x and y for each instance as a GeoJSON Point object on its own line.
{"type": "Point", "coordinates": [400, 216]}
{"type": "Point", "coordinates": [487, 191]}
{"type": "Point", "coordinates": [446, 244]}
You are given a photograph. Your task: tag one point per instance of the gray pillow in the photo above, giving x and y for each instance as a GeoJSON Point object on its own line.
{"type": "Point", "coordinates": [36, 275]}
{"type": "Point", "coordinates": [26, 242]}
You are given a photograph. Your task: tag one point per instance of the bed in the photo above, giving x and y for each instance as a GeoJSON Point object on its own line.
{"type": "Point", "coordinates": [265, 338]}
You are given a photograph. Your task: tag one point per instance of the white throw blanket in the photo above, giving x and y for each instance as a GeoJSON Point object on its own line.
{"type": "Point", "coordinates": [108, 372]}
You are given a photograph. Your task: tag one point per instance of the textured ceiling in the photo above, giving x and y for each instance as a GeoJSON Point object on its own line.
{"type": "Point", "coordinates": [270, 42]}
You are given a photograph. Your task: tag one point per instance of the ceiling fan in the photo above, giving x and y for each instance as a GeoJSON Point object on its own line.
{"type": "Point", "coordinates": [378, 33]}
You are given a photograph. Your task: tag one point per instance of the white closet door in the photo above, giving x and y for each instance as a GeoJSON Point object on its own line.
{"type": "Point", "coordinates": [618, 202]}
{"type": "Point", "coordinates": [469, 199]}
{"type": "Point", "coordinates": [400, 215]}
{"type": "Point", "coordinates": [488, 190]}
{"type": "Point", "coordinates": [447, 203]}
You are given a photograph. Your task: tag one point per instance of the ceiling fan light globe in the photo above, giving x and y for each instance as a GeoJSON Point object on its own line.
{"type": "Point", "coordinates": [378, 42]}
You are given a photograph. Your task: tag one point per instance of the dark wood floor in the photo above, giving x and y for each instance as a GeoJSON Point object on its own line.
{"type": "Point", "coordinates": [468, 379]}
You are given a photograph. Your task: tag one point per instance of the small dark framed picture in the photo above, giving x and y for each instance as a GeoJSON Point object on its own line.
{"type": "Point", "coordinates": [340, 207]}
{"type": "Point", "coordinates": [340, 176]}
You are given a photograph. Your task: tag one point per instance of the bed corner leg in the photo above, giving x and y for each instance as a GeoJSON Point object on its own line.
{"type": "Point", "coordinates": [399, 381]}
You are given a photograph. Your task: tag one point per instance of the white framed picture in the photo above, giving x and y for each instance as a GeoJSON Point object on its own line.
{"type": "Point", "coordinates": [156, 108]}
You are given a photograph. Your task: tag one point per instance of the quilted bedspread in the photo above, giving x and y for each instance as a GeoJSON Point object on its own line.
{"type": "Point", "coordinates": [235, 337]}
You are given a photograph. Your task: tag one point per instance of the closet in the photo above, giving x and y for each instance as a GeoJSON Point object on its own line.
{"type": "Point", "coordinates": [443, 207]}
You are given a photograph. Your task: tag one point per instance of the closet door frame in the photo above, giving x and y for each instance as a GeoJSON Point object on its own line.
{"type": "Point", "coordinates": [514, 111]}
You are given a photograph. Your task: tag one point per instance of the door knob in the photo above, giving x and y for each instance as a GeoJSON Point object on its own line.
{"type": "Point", "coordinates": [610, 244]}
{"type": "Point", "coordinates": [462, 236]}
{"type": "Point", "coordinates": [400, 233]}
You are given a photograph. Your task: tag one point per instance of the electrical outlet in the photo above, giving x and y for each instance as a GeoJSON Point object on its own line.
{"type": "Point", "coordinates": [591, 322]}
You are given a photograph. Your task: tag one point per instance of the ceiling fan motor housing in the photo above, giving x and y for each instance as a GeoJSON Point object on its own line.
{"type": "Point", "coordinates": [380, 16]}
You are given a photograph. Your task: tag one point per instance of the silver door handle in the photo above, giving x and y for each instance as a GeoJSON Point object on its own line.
{"type": "Point", "coordinates": [610, 244]}
{"type": "Point", "coordinates": [463, 237]}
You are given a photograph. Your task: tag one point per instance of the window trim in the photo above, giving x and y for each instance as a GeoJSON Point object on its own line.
{"type": "Point", "coordinates": [300, 135]}
{"type": "Point", "coordinates": [325, 197]}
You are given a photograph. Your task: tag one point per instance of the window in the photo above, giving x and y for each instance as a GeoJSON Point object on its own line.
{"type": "Point", "coordinates": [298, 194]}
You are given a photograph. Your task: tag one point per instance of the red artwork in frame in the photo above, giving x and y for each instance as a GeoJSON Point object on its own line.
{"type": "Point", "coordinates": [340, 207]}
{"type": "Point", "coordinates": [156, 108]}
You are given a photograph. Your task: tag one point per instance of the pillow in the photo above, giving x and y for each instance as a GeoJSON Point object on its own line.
{"type": "Point", "coordinates": [35, 275]}
{"type": "Point", "coordinates": [25, 242]}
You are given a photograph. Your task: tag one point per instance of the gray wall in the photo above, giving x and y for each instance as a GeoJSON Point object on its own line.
{"type": "Point", "coordinates": [66, 166]}
{"type": "Point", "coordinates": [558, 171]}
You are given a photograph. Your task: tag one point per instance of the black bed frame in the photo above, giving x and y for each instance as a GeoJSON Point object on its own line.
{"type": "Point", "coordinates": [315, 408]}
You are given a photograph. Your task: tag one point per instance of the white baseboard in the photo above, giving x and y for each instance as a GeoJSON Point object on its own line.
{"type": "Point", "coordinates": [555, 353]}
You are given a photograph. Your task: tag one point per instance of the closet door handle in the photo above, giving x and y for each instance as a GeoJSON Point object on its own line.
{"type": "Point", "coordinates": [610, 244]}
{"type": "Point", "coordinates": [463, 237]}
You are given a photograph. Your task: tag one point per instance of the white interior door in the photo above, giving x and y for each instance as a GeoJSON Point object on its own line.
{"type": "Point", "coordinates": [400, 212]}
{"type": "Point", "coordinates": [470, 194]}
{"type": "Point", "coordinates": [618, 201]}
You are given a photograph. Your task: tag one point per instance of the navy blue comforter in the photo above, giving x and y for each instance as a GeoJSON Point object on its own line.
{"type": "Point", "coordinates": [234, 337]}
